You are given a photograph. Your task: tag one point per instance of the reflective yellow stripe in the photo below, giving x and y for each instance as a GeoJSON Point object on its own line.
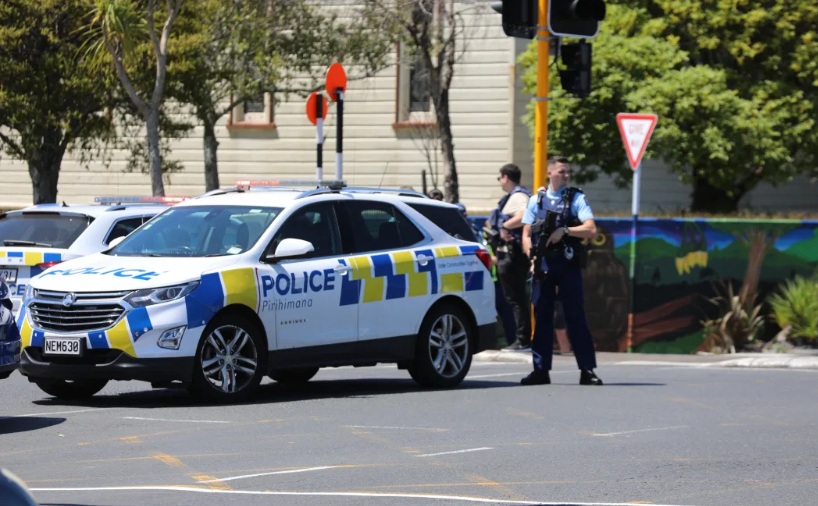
{"type": "Point", "coordinates": [451, 282]}
{"type": "Point", "coordinates": [448, 251]}
{"type": "Point", "coordinates": [25, 333]}
{"type": "Point", "coordinates": [373, 287]}
{"type": "Point", "coordinates": [33, 258]}
{"type": "Point", "coordinates": [418, 282]}
{"type": "Point", "coordinates": [119, 338]}
{"type": "Point", "coordinates": [240, 287]}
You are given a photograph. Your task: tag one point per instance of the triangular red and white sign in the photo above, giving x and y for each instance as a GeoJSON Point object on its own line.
{"type": "Point", "coordinates": [636, 130]}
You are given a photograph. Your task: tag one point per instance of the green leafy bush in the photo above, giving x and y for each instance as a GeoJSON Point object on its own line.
{"type": "Point", "coordinates": [739, 325]}
{"type": "Point", "coordinates": [795, 308]}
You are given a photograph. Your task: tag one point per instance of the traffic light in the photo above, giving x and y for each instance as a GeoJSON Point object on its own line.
{"type": "Point", "coordinates": [576, 78]}
{"type": "Point", "coordinates": [575, 18]}
{"type": "Point", "coordinates": [519, 17]}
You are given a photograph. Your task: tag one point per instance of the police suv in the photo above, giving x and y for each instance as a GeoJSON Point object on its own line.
{"type": "Point", "coordinates": [221, 290]}
{"type": "Point", "coordinates": [38, 237]}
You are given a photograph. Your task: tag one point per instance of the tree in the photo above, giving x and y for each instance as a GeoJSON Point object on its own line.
{"type": "Point", "coordinates": [119, 26]}
{"type": "Point", "coordinates": [228, 52]}
{"type": "Point", "coordinates": [50, 102]}
{"type": "Point", "coordinates": [735, 87]}
{"type": "Point", "coordinates": [433, 28]}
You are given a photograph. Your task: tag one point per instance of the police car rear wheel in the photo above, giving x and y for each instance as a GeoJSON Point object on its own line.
{"type": "Point", "coordinates": [443, 353]}
{"type": "Point", "coordinates": [70, 389]}
{"type": "Point", "coordinates": [294, 375]}
{"type": "Point", "coordinates": [230, 361]}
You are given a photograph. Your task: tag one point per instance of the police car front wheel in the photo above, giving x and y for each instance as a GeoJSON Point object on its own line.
{"type": "Point", "coordinates": [443, 353]}
{"type": "Point", "coordinates": [70, 389]}
{"type": "Point", "coordinates": [230, 360]}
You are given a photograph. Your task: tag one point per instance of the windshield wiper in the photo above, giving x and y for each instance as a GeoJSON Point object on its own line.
{"type": "Point", "coordinates": [18, 242]}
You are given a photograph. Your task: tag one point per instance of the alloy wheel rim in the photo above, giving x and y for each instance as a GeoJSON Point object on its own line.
{"type": "Point", "coordinates": [229, 359]}
{"type": "Point", "coordinates": [448, 345]}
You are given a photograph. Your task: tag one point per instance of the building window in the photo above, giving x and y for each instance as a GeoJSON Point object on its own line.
{"type": "Point", "coordinates": [414, 94]}
{"type": "Point", "coordinates": [257, 112]}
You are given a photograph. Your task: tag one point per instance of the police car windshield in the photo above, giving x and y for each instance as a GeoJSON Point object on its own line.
{"type": "Point", "coordinates": [41, 230]}
{"type": "Point", "coordinates": [199, 231]}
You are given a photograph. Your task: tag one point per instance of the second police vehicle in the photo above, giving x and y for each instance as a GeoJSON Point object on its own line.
{"type": "Point", "coordinates": [219, 291]}
{"type": "Point", "coordinates": [41, 236]}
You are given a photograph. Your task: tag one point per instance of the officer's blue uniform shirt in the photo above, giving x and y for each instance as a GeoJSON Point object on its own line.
{"type": "Point", "coordinates": [579, 207]}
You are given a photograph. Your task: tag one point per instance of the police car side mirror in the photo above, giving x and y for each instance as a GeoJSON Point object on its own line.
{"type": "Point", "coordinates": [116, 241]}
{"type": "Point", "coordinates": [291, 248]}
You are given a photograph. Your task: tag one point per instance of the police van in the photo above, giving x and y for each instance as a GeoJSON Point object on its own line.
{"type": "Point", "coordinates": [41, 236]}
{"type": "Point", "coordinates": [264, 280]}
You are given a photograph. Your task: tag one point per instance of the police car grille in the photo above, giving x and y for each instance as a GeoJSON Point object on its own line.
{"type": "Point", "coordinates": [91, 311]}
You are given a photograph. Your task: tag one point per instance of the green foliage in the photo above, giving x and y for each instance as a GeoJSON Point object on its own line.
{"type": "Point", "coordinates": [795, 307]}
{"type": "Point", "coordinates": [739, 322]}
{"type": "Point", "coordinates": [735, 86]}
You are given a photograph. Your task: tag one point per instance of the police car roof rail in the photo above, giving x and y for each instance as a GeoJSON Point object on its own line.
{"type": "Point", "coordinates": [395, 191]}
{"type": "Point", "coordinates": [121, 200]}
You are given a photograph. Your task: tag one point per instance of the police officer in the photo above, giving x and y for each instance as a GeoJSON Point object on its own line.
{"type": "Point", "coordinates": [561, 217]}
{"type": "Point", "coordinates": [506, 224]}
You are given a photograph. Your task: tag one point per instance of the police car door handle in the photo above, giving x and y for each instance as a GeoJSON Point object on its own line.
{"type": "Point", "coordinates": [423, 259]}
{"type": "Point", "coordinates": [341, 269]}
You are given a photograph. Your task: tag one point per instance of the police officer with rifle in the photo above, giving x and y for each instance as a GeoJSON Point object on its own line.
{"type": "Point", "coordinates": [556, 221]}
{"type": "Point", "coordinates": [504, 231]}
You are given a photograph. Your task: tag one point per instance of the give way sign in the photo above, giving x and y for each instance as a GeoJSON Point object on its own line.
{"type": "Point", "coordinates": [636, 130]}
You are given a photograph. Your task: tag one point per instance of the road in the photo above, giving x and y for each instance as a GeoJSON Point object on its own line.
{"type": "Point", "coordinates": [659, 432]}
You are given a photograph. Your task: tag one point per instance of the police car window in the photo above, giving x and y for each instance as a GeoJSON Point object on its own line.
{"type": "Point", "coordinates": [46, 230]}
{"type": "Point", "coordinates": [199, 231]}
{"type": "Point", "coordinates": [378, 226]}
{"type": "Point", "coordinates": [123, 228]}
{"type": "Point", "coordinates": [448, 219]}
{"type": "Point", "coordinates": [315, 224]}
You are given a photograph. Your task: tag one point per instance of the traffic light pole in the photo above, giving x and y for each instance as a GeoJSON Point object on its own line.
{"type": "Point", "coordinates": [541, 111]}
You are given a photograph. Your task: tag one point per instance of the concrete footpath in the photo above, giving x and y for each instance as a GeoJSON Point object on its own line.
{"type": "Point", "coordinates": [798, 359]}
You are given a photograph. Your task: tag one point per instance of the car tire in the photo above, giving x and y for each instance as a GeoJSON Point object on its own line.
{"type": "Point", "coordinates": [294, 376]}
{"type": "Point", "coordinates": [231, 360]}
{"type": "Point", "coordinates": [443, 351]}
{"type": "Point", "coordinates": [70, 389]}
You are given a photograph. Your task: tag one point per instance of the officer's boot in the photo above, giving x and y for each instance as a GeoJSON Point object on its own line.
{"type": "Point", "coordinates": [587, 377]}
{"type": "Point", "coordinates": [537, 377]}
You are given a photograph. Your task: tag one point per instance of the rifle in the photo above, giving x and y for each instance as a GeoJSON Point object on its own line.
{"type": "Point", "coordinates": [542, 230]}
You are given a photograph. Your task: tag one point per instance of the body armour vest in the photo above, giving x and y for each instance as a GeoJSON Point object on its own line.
{"type": "Point", "coordinates": [497, 218]}
{"type": "Point", "coordinates": [570, 247]}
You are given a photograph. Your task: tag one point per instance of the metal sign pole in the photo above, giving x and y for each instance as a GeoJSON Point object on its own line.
{"type": "Point", "coordinates": [319, 135]}
{"type": "Point", "coordinates": [637, 176]}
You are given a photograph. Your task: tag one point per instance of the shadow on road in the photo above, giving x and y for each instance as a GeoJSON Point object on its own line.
{"type": "Point", "coordinates": [10, 425]}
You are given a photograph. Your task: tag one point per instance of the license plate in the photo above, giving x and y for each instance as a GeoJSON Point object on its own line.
{"type": "Point", "coordinates": [10, 275]}
{"type": "Point", "coordinates": [62, 346]}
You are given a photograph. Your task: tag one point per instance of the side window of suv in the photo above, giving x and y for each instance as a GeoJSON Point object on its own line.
{"type": "Point", "coordinates": [447, 218]}
{"type": "Point", "coordinates": [124, 227]}
{"type": "Point", "coordinates": [375, 226]}
{"type": "Point", "coordinates": [315, 224]}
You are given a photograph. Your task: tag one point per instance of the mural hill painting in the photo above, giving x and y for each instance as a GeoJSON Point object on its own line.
{"type": "Point", "coordinates": [679, 262]}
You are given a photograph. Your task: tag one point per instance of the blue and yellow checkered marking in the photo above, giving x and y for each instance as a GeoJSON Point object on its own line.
{"type": "Point", "coordinates": [399, 274]}
{"type": "Point", "coordinates": [220, 289]}
{"type": "Point", "coordinates": [30, 258]}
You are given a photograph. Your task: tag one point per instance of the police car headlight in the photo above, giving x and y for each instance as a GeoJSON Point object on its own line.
{"type": "Point", "coordinates": [151, 296]}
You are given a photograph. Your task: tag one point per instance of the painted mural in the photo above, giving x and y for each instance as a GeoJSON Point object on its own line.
{"type": "Point", "coordinates": [679, 264]}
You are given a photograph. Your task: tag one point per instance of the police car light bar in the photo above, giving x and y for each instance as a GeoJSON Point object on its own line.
{"type": "Point", "coordinates": [329, 183]}
{"type": "Point", "coordinates": [133, 199]}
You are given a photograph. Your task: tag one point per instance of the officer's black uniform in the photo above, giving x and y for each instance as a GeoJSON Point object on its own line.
{"type": "Point", "coordinates": [559, 266]}
{"type": "Point", "coordinates": [512, 270]}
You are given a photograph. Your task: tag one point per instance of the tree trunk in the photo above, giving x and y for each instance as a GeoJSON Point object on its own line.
{"type": "Point", "coordinates": [44, 167]}
{"type": "Point", "coordinates": [211, 166]}
{"type": "Point", "coordinates": [708, 198]}
{"type": "Point", "coordinates": [154, 153]}
{"type": "Point", "coordinates": [444, 123]}
{"type": "Point", "coordinates": [759, 244]}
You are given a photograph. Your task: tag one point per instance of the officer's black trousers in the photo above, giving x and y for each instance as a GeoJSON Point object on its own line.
{"type": "Point", "coordinates": [512, 273]}
{"type": "Point", "coordinates": [567, 276]}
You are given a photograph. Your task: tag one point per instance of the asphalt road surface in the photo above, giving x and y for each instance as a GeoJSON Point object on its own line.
{"type": "Point", "coordinates": [657, 433]}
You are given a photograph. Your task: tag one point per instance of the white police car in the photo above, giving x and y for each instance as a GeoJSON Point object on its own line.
{"type": "Point", "coordinates": [223, 289]}
{"type": "Point", "coordinates": [38, 237]}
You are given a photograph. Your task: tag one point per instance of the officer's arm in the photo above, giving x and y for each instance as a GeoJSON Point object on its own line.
{"type": "Point", "coordinates": [527, 239]}
{"type": "Point", "coordinates": [515, 221]}
{"type": "Point", "coordinates": [585, 230]}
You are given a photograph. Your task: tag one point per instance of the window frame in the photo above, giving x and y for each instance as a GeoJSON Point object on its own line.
{"type": "Point", "coordinates": [237, 119]}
